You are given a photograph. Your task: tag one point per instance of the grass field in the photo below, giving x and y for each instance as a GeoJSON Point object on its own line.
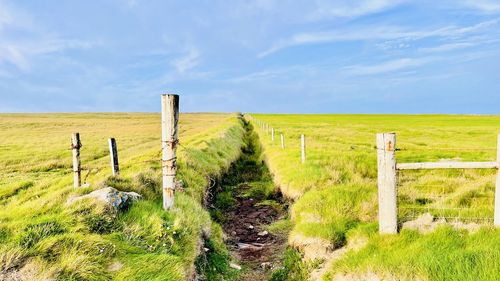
{"type": "Point", "coordinates": [44, 238]}
{"type": "Point", "coordinates": [335, 192]}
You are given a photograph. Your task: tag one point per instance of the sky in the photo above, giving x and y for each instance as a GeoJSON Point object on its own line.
{"type": "Point", "coordinates": [339, 56]}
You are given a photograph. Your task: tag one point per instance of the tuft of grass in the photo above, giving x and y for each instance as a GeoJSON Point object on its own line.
{"type": "Point", "coordinates": [36, 232]}
{"type": "Point", "coordinates": [293, 269]}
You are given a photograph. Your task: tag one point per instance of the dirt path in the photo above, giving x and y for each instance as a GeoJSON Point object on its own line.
{"type": "Point", "coordinates": [246, 203]}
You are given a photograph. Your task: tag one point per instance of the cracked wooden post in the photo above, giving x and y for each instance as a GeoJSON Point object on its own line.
{"type": "Point", "coordinates": [272, 134]}
{"type": "Point", "coordinates": [303, 146]}
{"type": "Point", "coordinates": [496, 219]}
{"type": "Point", "coordinates": [77, 166]}
{"type": "Point", "coordinates": [169, 124]}
{"type": "Point", "coordinates": [113, 153]}
{"type": "Point", "coordinates": [387, 193]}
{"type": "Point", "coordinates": [282, 141]}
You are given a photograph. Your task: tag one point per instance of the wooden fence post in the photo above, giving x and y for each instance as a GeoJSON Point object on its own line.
{"type": "Point", "coordinates": [303, 146]}
{"type": "Point", "coordinates": [113, 153]}
{"type": "Point", "coordinates": [272, 134]}
{"type": "Point", "coordinates": [282, 141]}
{"type": "Point", "coordinates": [387, 193]}
{"type": "Point", "coordinates": [169, 124]}
{"type": "Point", "coordinates": [496, 219]}
{"type": "Point", "coordinates": [77, 166]}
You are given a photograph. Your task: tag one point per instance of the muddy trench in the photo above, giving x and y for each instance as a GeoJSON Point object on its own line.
{"type": "Point", "coordinates": [247, 204]}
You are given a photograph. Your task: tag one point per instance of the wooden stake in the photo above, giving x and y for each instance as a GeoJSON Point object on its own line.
{"type": "Point", "coordinates": [282, 141]}
{"type": "Point", "coordinates": [77, 166]}
{"type": "Point", "coordinates": [169, 124]}
{"type": "Point", "coordinates": [272, 134]}
{"type": "Point", "coordinates": [496, 219]}
{"type": "Point", "coordinates": [387, 206]}
{"type": "Point", "coordinates": [113, 153]}
{"type": "Point", "coordinates": [303, 146]}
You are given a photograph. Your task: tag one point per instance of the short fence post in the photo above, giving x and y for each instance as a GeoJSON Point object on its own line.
{"type": "Point", "coordinates": [272, 134]}
{"type": "Point", "coordinates": [113, 153]}
{"type": "Point", "coordinates": [282, 141]}
{"type": "Point", "coordinates": [496, 219]}
{"type": "Point", "coordinates": [387, 206]}
{"type": "Point", "coordinates": [169, 124]}
{"type": "Point", "coordinates": [77, 166]}
{"type": "Point", "coordinates": [303, 146]}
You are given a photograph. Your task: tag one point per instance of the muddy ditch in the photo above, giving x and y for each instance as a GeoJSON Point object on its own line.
{"type": "Point", "coordinates": [250, 208]}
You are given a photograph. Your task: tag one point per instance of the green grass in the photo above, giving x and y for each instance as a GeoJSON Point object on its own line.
{"type": "Point", "coordinates": [44, 238]}
{"type": "Point", "coordinates": [335, 191]}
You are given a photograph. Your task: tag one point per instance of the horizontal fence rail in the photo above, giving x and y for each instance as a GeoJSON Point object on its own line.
{"type": "Point", "coordinates": [447, 165]}
{"type": "Point", "coordinates": [387, 167]}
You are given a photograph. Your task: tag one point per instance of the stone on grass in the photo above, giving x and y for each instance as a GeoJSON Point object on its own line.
{"type": "Point", "coordinates": [119, 200]}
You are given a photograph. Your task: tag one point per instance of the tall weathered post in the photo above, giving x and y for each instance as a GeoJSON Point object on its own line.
{"type": "Point", "coordinates": [387, 193]}
{"type": "Point", "coordinates": [77, 167]}
{"type": "Point", "coordinates": [169, 125]}
{"type": "Point", "coordinates": [496, 219]}
{"type": "Point", "coordinates": [282, 141]}
{"type": "Point", "coordinates": [113, 153]}
{"type": "Point", "coordinates": [303, 146]}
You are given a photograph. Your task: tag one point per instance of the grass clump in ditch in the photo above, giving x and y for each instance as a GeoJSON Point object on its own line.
{"type": "Point", "coordinates": [293, 269]}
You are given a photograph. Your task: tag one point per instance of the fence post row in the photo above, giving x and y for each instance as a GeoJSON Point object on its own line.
{"type": "Point", "coordinates": [303, 146]}
{"type": "Point", "coordinates": [386, 161]}
{"type": "Point", "coordinates": [113, 153]}
{"type": "Point", "coordinates": [496, 218]}
{"type": "Point", "coordinates": [169, 123]}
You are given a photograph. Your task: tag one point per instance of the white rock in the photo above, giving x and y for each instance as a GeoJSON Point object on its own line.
{"type": "Point", "coordinates": [263, 233]}
{"type": "Point", "coordinates": [235, 266]}
{"type": "Point", "coordinates": [117, 199]}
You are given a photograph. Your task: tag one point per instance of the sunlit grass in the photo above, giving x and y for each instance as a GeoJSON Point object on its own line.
{"type": "Point", "coordinates": [43, 237]}
{"type": "Point", "coordinates": [335, 191]}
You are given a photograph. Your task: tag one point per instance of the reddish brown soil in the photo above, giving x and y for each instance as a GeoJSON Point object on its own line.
{"type": "Point", "coordinates": [259, 253]}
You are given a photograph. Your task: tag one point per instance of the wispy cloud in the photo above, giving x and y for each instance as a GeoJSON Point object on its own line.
{"type": "Point", "coordinates": [374, 33]}
{"type": "Point", "coordinates": [487, 6]}
{"type": "Point", "coordinates": [188, 61]}
{"type": "Point", "coordinates": [19, 51]}
{"type": "Point", "coordinates": [447, 47]}
{"type": "Point", "coordinates": [349, 9]}
{"type": "Point", "coordinates": [385, 67]}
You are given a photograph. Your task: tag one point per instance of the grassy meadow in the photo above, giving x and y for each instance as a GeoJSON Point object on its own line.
{"type": "Point", "coordinates": [335, 192]}
{"type": "Point", "coordinates": [44, 238]}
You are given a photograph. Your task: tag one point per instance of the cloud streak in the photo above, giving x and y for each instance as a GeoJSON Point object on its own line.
{"type": "Point", "coordinates": [189, 61]}
{"type": "Point", "coordinates": [374, 33]}
{"type": "Point", "coordinates": [350, 9]}
{"type": "Point", "coordinates": [385, 67]}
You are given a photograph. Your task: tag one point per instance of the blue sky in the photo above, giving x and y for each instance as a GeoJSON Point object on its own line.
{"type": "Point", "coordinates": [367, 56]}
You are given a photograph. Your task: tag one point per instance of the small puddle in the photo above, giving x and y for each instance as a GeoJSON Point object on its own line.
{"type": "Point", "coordinates": [246, 203]}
